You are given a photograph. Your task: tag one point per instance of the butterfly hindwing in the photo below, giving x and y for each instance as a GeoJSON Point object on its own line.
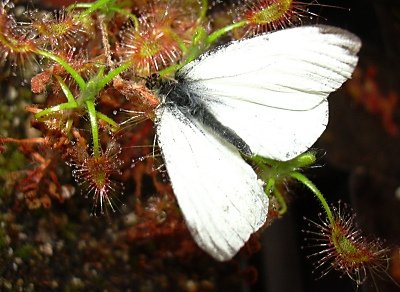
{"type": "Point", "coordinates": [274, 133]}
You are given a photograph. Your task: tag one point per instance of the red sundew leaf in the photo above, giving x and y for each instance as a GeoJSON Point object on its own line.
{"type": "Point", "coordinates": [365, 90]}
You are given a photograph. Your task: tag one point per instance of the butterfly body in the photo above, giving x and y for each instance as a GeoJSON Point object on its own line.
{"type": "Point", "coordinates": [266, 96]}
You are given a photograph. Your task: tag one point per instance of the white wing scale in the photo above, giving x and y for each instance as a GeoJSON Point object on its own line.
{"type": "Point", "coordinates": [218, 192]}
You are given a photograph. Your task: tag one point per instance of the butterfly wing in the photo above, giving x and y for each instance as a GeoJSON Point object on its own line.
{"type": "Point", "coordinates": [272, 89]}
{"type": "Point", "coordinates": [270, 132]}
{"type": "Point", "coordinates": [221, 199]}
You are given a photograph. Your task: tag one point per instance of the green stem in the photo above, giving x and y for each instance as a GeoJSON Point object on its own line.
{"type": "Point", "coordinates": [94, 127]}
{"type": "Point", "coordinates": [66, 90]}
{"type": "Point", "coordinates": [217, 34]}
{"type": "Point", "coordinates": [270, 185]}
{"type": "Point", "coordinates": [126, 13]}
{"type": "Point", "coordinates": [264, 163]}
{"type": "Point", "coordinates": [179, 40]}
{"type": "Point", "coordinates": [170, 69]}
{"type": "Point", "coordinates": [108, 120]}
{"type": "Point", "coordinates": [74, 74]}
{"type": "Point", "coordinates": [89, 9]}
{"type": "Point", "coordinates": [59, 107]}
{"type": "Point", "coordinates": [197, 46]}
{"type": "Point", "coordinates": [305, 181]}
{"type": "Point", "coordinates": [68, 125]}
{"type": "Point", "coordinates": [92, 8]}
{"type": "Point", "coordinates": [281, 201]}
{"type": "Point", "coordinates": [277, 194]}
{"type": "Point", "coordinates": [79, 5]}
{"type": "Point", "coordinates": [204, 9]}
{"type": "Point", "coordinates": [113, 73]}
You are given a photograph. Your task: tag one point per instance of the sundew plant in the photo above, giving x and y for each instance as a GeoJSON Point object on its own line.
{"type": "Point", "coordinates": [77, 104]}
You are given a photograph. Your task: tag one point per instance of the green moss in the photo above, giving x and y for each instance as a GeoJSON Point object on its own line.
{"type": "Point", "coordinates": [3, 239]}
{"type": "Point", "coordinates": [68, 231]}
{"type": "Point", "coordinates": [12, 160]}
{"type": "Point", "coordinates": [25, 251]}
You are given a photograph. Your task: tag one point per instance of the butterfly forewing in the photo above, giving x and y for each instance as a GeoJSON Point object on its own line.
{"type": "Point", "coordinates": [221, 199]}
{"type": "Point", "coordinates": [271, 90]}
{"type": "Point", "coordinates": [291, 69]}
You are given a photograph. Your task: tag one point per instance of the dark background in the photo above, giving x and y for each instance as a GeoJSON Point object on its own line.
{"type": "Point", "coordinates": [361, 164]}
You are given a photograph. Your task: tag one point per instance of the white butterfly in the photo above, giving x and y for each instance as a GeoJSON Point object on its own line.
{"type": "Point", "coordinates": [266, 95]}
